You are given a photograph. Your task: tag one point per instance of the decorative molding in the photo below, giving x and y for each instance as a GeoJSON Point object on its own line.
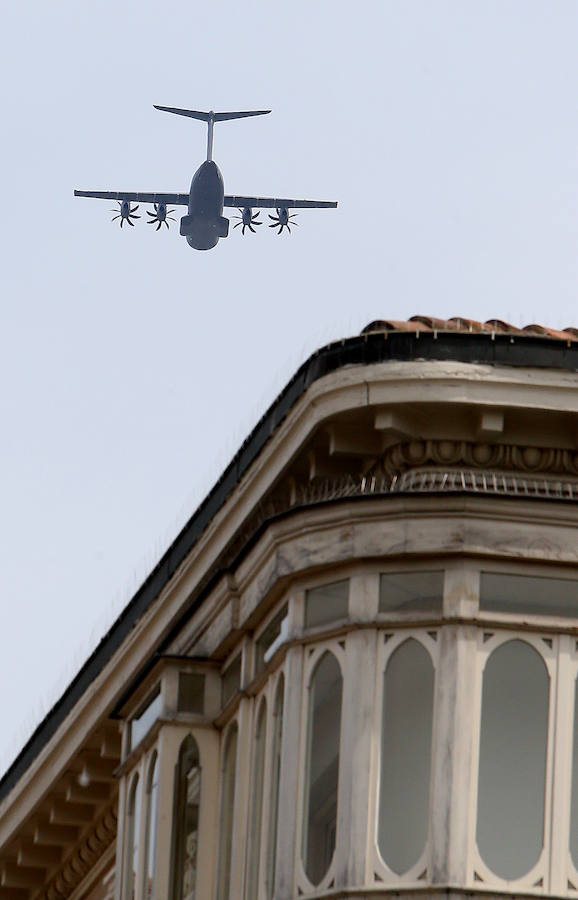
{"type": "Point", "coordinates": [465, 454]}
{"type": "Point", "coordinates": [421, 467]}
{"type": "Point", "coordinates": [83, 858]}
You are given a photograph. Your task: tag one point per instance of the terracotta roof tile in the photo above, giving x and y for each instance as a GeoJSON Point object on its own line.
{"type": "Point", "coordinates": [470, 326]}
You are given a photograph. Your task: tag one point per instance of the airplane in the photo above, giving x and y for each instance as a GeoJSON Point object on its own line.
{"type": "Point", "coordinates": [205, 224]}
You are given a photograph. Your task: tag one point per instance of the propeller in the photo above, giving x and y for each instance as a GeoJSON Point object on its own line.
{"type": "Point", "coordinates": [125, 213]}
{"type": "Point", "coordinates": [160, 215]}
{"type": "Point", "coordinates": [283, 220]}
{"type": "Point", "coordinates": [247, 219]}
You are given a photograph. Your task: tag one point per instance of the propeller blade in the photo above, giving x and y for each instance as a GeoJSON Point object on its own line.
{"type": "Point", "coordinates": [252, 229]}
{"type": "Point", "coordinates": [275, 218]}
{"type": "Point", "coordinates": [159, 225]}
{"type": "Point", "coordinates": [238, 223]}
{"type": "Point", "coordinates": [130, 223]}
{"type": "Point", "coordinates": [122, 221]}
{"type": "Point", "coordinates": [167, 224]}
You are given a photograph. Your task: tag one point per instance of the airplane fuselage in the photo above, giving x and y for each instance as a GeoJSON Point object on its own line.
{"type": "Point", "coordinates": [205, 223]}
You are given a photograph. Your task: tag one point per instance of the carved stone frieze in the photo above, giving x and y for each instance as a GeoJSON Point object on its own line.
{"type": "Point", "coordinates": [466, 454]}
{"type": "Point", "coordinates": [82, 859]}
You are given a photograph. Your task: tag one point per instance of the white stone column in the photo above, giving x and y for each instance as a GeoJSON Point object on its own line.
{"type": "Point", "coordinates": [453, 733]}
{"type": "Point", "coordinates": [242, 793]}
{"type": "Point", "coordinates": [354, 832]}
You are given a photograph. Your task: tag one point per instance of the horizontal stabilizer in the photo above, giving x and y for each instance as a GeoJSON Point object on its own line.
{"type": "Point", "coordinates": [208, 116]}
{"type": "Point", "coordinates": [222, 117]}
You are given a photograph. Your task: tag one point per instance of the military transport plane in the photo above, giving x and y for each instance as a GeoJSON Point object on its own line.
{"type": "Point", "coordinates": [205, 222]}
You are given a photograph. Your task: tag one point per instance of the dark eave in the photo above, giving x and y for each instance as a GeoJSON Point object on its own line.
{"type": "Point", "coordinates": [380, 342]}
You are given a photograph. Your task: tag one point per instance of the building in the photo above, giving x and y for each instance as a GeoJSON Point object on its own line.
{"type": "Point", "coordinates": [354, 671]}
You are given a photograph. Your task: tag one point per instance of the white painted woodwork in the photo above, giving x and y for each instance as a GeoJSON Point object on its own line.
{"type": "Point", "coordinates": [288, 847]}
{"type": "Point", "coordinates": [354, 823]}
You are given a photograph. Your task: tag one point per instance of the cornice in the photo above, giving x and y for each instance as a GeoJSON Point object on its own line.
{"type": "Point", "coordinates": [82, 858]}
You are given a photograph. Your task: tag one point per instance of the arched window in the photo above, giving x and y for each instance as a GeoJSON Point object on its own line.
{"type": "Point", "coordinates": [275, 776]}
{"type": "Point", "coordinates": [406, 737]}
{"type": "Point", "coordinates": [151, 826]}
{"type": "Point", "coordinates": [186, 820]}
{"type": "Point", "coordinates": [257, 804]}
{"type": "Point", "coordinates": [227, 813]}
{"type": "Point", "coordinates": [322, 772]}
{"type": "Point", "coordinates": [132, 839]}
{"type": "Point", "coordinates": [512, 767]}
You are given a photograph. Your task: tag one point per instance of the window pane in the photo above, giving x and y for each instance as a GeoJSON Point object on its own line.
{"type": "Point", "coordinates": [320, 812]}
{"type": "Point", "coordinates": [186, 820]}
{"type": "Point", "coordinates": [519, 594]}
{"type": "Point", "coordinates": [256, 805]}
{"type": "Point", "coordinates": [227, 813]}
{"type": "Point", "coordinates": [574, 797]}
{"type": "Point", "coordinates": [513, 741]}
{"type": "Point", "coordinates": [191, 697]}
{"type": "Point", "coordinates": [231, 680]}
{"type": "Point", "coordinates": [141, 723]}
{"type": "Point", "coordinates": [275, 777]}
{"type": "Point", "coordinates": [327, 603]}
{"type": "Point", "coordinates": [270, 639]}
{"type": "Point", "coordinates": [411, 592]}
{"type": "Point", "coordinates": [152, 803]}
{"type": "Point", "coordinates": [406, 735]}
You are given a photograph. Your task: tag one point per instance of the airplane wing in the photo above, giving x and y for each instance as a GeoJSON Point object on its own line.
{"type": "Point", "coordinates": [275, 203]}
{"type": "Point", "coordinates": [140, 197]}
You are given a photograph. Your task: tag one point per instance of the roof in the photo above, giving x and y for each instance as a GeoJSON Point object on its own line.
{"type": "Point", "coordinates": [469, 326]}
{"type": "Point", "coordinates": [420, 338]}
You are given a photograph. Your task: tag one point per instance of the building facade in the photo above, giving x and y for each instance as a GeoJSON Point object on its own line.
{"type": "Point", "coordinates": [354, 672]}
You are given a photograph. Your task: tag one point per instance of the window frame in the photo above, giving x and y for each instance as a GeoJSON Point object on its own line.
{"type": "Point", "coordinates": [312, 655]}
{"type": "Point", "coordinates": [547, 646]}
{"type": "Point", "coordinates": [387, 643]}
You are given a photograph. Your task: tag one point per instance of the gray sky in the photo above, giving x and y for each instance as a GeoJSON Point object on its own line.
{"type": "Point", "coordinates": [132, 366]}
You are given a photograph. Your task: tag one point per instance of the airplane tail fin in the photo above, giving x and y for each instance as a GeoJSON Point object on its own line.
{"type": "Point", "coordinates": [212, 116]}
